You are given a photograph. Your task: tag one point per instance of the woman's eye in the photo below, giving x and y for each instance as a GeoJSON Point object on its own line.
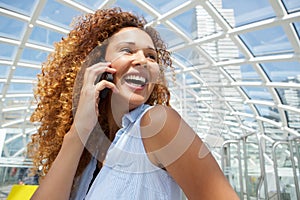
{"type": "Point", "coordinates": [151, 54]}
{"type": "Point", "coordinates": [127, 50]}
{"type": "Point", "coordinates": [152, 57]}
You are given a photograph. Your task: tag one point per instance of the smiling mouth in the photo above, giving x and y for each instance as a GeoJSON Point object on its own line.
{"type": "Point", "coordinates": [136, 80]}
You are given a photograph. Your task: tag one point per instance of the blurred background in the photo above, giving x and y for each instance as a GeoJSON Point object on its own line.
{"type": "Point", "coordinates": [237, 81]}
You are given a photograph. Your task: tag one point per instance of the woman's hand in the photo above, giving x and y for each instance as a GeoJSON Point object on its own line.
{"type": "Point", "coordinates": [86, 115]}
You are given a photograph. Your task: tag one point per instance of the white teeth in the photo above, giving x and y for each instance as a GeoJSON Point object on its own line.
{"type": "Point", "coordinates": [136, 79]}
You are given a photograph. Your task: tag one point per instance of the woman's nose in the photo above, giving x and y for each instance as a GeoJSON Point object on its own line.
{"type": "Point", "coordinates": [139, 58]}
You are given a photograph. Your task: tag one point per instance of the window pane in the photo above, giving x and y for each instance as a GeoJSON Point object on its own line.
{"type": "Point", "coordinates": [206, 25]}
{"type": "Point", "coordinates": [170, 37]}
{"type": "Point", "coordinates": [44, 36]}
{"type": "Point", "coordinates": [268, 112]}
{"type": "Point", "coordinates": [222, 49]}
{"type": "Point", "coordinates": [187, 22]}
{"type": "Point", "coordinates": [293, 120]}
{"type": "Point", "coordinates": [292, 5]}
{"type": "Point", "coordinates": [57, 13]}
{"type": "Point", "coordinates": [260, 43]}
{"type": "Point", "coordinates": [297, 26]}
{"type": "Point", "coordinates": [290, 96]}
{"type": "Point", "coordinates": [4, 70]}
{"type": "Point", "coordinates": [36, 56]}
{"type": "Point", "coordinates": [11, 28]}
{"type": "Point", "coordinates": [189, 57]}
{"type": "Point", "coordinates": [93, 4]}
{"type": "Point", "coordinates": [274, 132]}
{"type": "Point", "coordinates": [246, 11]}
{"type": "Point", "coordinates": [249, 73]}
{"type": "Point", "coordinates": [20, 88]}
{"type": "Point", "coordinates": [258, 93]}
{"type": "Point", "coordinates": [131, 7]}
{"type": "Point", "coordinates": [24, 7]}
{"type": "Point", "coordinates": [25, 73]}
{"type": "Point", "coordinates": [7, 51]}
{"type": "Point", "coordinates": [282, 71]}
{"type": "Point", "coordinates": [165, 5]}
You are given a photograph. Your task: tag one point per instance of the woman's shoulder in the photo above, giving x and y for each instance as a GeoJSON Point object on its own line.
{"type": "Point", "coordinates": [159, 111]}
{"type": "Point", "coordinates": [159, 125]}
{"type": "Point", "coordinates": [166, 136]}
{"type": "Point", "coordinates": [160, 116]}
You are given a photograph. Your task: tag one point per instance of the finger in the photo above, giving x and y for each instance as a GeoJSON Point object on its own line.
{"type": "Point", "coordinates": [106, 84]}
{"type": "Point", "coordinates": [99, 64]}
{"type": "Point", "coordinates": [94, 71]}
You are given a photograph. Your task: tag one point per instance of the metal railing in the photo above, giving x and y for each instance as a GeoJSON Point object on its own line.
{"type": "Point", "coordinates": [238, 147]}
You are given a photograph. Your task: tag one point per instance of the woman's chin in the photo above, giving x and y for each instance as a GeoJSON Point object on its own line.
{"type": "Point", "coordinates": [130, 99]}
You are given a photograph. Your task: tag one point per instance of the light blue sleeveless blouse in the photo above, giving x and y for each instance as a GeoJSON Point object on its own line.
{"type": "Point", "coordinates": [127, 173]}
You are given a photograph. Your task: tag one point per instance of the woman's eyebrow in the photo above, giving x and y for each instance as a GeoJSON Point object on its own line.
{"type": "Point", "coordinates": [133, 44]}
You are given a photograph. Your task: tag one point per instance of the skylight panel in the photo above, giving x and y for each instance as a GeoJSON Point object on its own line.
{"type": "Point", "coordinates": [187, 22]}
{"type": "Point", "coordinates": [292, 5]}
{"type": "Point", "coordinates": [164, 6]}
{"type": "Point", "coordinates": [267, 41]}
{"type": "Point", "coordinates": [290, 96]}
{"type": "Point", "coordinates": [20, 88]}
{"type": "Point", "coordinates": [258, 93]}
{"type": "Point", "coordinates": [293, 120]}
{"type": "Point", "coordinates": [249, 121]}
{"type": "Point", "coordinates": [58, 14]}
{"type": "Point", "coordinates": [297, 26]}
{"type": "Point", "coordinates": [222, 49]}
{"type": "Point", "coordinates": [24, 7]}
{"type": "Point", "coordinates": [246, 12]}
{"type": "Point", "coordinates": [44, 36]}
{"type": "Point", "coordinates": [244, 72]}
{"type": "Point", "coordinates": [274, 132]}
{"type": "Point", "coordinates": [16, 101]}
{"type": "Point", "coordinates": [129, 6]}
{"type": "Point", "coordinates": [32, 55]}
{"type": "Point", "coordinates": [189, 57]}
{"type": "Point", "coordinates": [7, 51]}
{"type": "Point", "coordinates": [4, 70]}
{"type": "Point", "coordinates": [170, 37]}
{"type": "Point", "coordinates": [11, 28]}
{"type": "Point", "coordinates": [25, 73]}
{"type": "Point", "coordinates": [93, 4]}
{"type": "Point", "coordinates": [268, 112]}
{"type": "Point", "coordinates": [282, 71]}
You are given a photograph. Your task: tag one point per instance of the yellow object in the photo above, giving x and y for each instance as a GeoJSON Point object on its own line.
{"type": "Point", "coordinates": [21, 192]}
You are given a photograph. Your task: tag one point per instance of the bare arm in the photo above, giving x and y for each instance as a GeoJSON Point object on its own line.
{"type": "Point", "coordinates": [171, 142]}
{"type": "Point", "coordinates": [58, 182]}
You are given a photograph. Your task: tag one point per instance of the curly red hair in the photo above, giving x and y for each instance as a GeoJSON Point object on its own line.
{"type": "Point", "coordinates": [54, 92]}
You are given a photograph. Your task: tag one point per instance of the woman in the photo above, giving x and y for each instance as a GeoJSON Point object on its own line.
{"type": "Point", "coordinates": [153, 152]}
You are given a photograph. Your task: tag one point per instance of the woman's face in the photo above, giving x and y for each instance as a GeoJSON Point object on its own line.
{"type": "Point", "coordinates": [132, 53]}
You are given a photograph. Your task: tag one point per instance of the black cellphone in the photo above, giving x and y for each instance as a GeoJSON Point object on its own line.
{"type": "Point", "coordinates": [105, 76]}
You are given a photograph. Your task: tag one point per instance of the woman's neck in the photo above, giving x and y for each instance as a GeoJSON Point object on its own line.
{"type": "Point", "coordinates": [117, 108]}
{"type": "Point", "coordinates": [115, 112]}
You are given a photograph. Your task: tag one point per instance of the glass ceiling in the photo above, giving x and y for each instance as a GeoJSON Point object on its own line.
{"type": "Point", "coordinates": [237, 63]}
